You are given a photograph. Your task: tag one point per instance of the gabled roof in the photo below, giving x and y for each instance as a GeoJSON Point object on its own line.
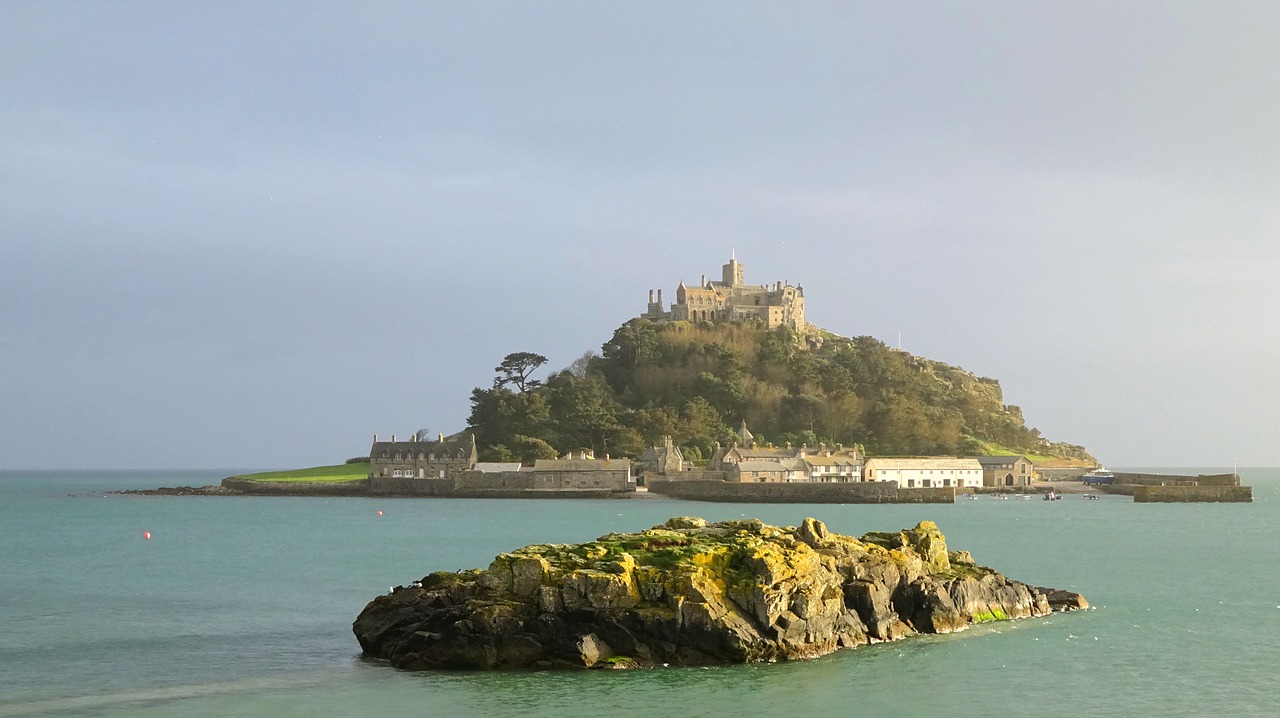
{"type": "Point", "coordinates": [771, 465]}
{"type": "Point", "coordinates": [495, 467]}
{"type": "Point", "coordinates": [459, 445]}
{"type": "Point", "coordinates": [581, 465]}
{"type": "Point", "coordinates": [998, 460]}
{"type": "Point", "coordinates": [928, 462]}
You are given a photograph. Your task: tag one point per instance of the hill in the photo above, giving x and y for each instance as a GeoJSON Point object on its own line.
{"type": "Point", "coordinates": [697, 382]}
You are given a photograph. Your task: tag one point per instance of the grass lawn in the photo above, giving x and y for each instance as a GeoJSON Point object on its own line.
{"type": "Point", "coordinates": [315, 474]}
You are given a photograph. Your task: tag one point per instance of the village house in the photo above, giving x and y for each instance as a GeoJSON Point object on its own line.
{"type": "Point", "coordinates": [752, 463]}
{"type": "Point", "coordinates": [582, 471]}
{"type": "Point", "coordinates": [662, 460]}
{"type": "Point", "coordinates": [1006, 470]}
{"type": "Point", "coordinates": [928, 472]}
{"type": "Point", "coordinates": [414, 459]}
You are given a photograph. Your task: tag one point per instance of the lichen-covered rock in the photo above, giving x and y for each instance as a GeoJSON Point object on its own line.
{"type": "Point", "coordinates": [689, 592]}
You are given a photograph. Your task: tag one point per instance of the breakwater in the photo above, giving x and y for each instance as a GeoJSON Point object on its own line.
{"type": "Point", "coordinates": [1192, 494]}
{"type": "Point", "coordinates": [297, 488]}
{"type": "Point", "coordinates": [876, 492]}
{"type": "Point", "coordinates": [1149, 479]}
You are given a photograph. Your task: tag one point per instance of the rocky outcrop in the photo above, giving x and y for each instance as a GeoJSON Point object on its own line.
{"type": "Point", "coordinates": [687, 592]}
{"type": "Point", "coordinates": [183, 491]}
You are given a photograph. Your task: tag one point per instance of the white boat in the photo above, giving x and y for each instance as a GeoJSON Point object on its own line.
{"type": "Point", "coordinates": [1099, 475]}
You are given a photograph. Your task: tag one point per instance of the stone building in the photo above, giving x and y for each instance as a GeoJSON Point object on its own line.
{"type": "Point", "coordinates": [663, 460]}
{"type": "Point", "coordinates": [582, 472]}
{"type": "Point", "coordinates": [1006, 470]}
{"type": "Point", "coordinates": [414, 459]}
{"type": "Point", "coordinates": [776, 305]}
{"type": "Point", "coordinates": [751, 463]}
{"type": "Point", "coordinates": [928, 472]}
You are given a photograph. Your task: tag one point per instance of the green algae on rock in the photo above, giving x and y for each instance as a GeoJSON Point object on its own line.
{"type": "Point", "coordinates": [687, 592]}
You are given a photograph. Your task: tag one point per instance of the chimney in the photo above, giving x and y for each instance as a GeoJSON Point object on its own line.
{"type": "Point", "coordinates": [704, 281]}
{"type": "Point", "coordinates": [442, 438]}
{"type": "Point", "coordinates": [375, 438]}
{"type": "Point", "coordinates": [659, 296]}
{"type": "Point", "coordinates": [393, 438]}
{"type": "Point", "coordinates": [651, 296]}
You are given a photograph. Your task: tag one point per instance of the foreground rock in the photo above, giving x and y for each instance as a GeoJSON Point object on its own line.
{"type": "Point", "coordinates": [688, 592]}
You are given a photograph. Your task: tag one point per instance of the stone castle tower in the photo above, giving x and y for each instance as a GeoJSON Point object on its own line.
{"type": "Point", "coordinates": [776, 305]}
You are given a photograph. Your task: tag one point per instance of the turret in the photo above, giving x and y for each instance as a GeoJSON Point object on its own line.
{"type": "Point", "coordinates": [732, 273]}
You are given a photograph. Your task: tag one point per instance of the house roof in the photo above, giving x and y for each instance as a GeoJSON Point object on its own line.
{"type": "Point", "coordinates": [495, 467]}
{"type": "Point", "coordinates": [581, 465]}
{"type": "Point", "coordinates": [998, 460]}
{"type": "Point", "coordinates": [461, 444]}
{"type": "Point", "coordinates": [928, 462]}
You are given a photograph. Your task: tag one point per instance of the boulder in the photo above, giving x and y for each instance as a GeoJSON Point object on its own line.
{"type": "Point", "coordinates": [690, 592]}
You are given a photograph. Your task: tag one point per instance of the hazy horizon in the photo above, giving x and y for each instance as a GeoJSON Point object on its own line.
{"type": "Point", "coordinates": [248, 235]}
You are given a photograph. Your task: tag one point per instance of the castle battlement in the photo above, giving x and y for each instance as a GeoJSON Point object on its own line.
{"type": "Point", "coordinates": [730, 299]}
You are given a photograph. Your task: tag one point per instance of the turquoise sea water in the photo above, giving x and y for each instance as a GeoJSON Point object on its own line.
{"type": "Point", "coordinates": [243, 607]}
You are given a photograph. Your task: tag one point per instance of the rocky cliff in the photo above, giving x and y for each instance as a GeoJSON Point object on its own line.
{"type": "Point", "coordinates": [687, 592]}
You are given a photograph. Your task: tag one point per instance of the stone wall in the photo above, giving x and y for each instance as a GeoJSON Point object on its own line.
{"type": "Point", "coordinates": [477, 484]}
{"type": "Point", "coordinates": [1060, 473]}
{"type": "Point", "coordinates": [879, 492]}
{"type": "Point", "coordinates": [360, 487]}
{"type": "Point", "coordinates": [1144, 479]}
{"type": "Point", "coordinates": [397, 486]}
{"type": "Point", "coordinates": [1189, 494]}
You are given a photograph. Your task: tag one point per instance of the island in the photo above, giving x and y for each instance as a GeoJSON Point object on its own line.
{"type": "Point", "coordinates": [688, 592]}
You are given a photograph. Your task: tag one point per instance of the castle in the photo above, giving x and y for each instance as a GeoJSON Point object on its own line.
{"type": "Point", "coordinates": [781, 304]}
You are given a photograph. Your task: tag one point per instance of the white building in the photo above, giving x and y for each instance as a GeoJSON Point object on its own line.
{"type": "Point", "coordinates": [931, 472]}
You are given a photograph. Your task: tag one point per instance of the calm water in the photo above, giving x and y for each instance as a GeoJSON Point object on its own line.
{"type": "Point", "coordinates": [243, 607]}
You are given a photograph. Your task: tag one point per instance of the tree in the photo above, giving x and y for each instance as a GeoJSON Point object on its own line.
{"type": "Point", "coordinates": [516, 368]}
{"type": "Point", "coordinates": [530, 448]}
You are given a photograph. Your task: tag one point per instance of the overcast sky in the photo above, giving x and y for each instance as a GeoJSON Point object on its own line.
{"type": "Point", "coordinates": [245, 234]}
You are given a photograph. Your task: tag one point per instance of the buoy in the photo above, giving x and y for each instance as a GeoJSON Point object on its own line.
{"type": "Point", "coordinates": [146, 534]}
{"type": "Point", "coordinates": [379, 513]}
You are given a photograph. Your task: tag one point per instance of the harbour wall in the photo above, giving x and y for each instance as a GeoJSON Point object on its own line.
{"type": "Point", "coordinates": [875, 492]}
{"type": "Point", "coordinates": [1146, 479]}
{"type": "Point", "coordinates": [359, 487]}
{"type": "Point", "coordinates": [505, 485]}
{"type": "Point", "coordinates": [1197, 494]}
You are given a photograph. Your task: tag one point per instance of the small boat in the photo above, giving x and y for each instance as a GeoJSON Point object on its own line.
{"type": "Point", "coordinates": [1000, 497]}
{"type": "Point", "coordinates": [1052, 496]}
{"type": "Point", "coordinates": [968, 496]}
{"type": "Point", "coordinates": [1091, 497]}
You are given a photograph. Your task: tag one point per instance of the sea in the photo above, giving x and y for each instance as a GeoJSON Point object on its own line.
{"type": "Point", "coordinates": [242, 606]}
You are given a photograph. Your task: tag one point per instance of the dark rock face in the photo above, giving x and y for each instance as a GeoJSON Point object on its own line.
{"type": "Point", "coordinates": [688, 593]}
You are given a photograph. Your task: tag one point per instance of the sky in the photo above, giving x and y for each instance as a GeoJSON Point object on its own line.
{"type": "Point", "coordinates": [253, 235]}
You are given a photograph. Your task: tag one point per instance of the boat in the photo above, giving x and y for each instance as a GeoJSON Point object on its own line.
{"type": "Point", "coordinates": [1091, 497]}
{"type": "Point", "coordinates": [1099, 475]}
{"type": "Point", "coordinates": [1052, 496]}
{"type": "Point", "coordinates": [1000, 497]}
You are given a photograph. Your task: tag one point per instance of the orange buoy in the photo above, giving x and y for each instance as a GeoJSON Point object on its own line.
{"type": "Point", "coordinates": [146, 534]}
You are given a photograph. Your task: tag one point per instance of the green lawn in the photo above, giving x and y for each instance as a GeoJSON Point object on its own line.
{"type": "Point", "coordinates": [315, 474]}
